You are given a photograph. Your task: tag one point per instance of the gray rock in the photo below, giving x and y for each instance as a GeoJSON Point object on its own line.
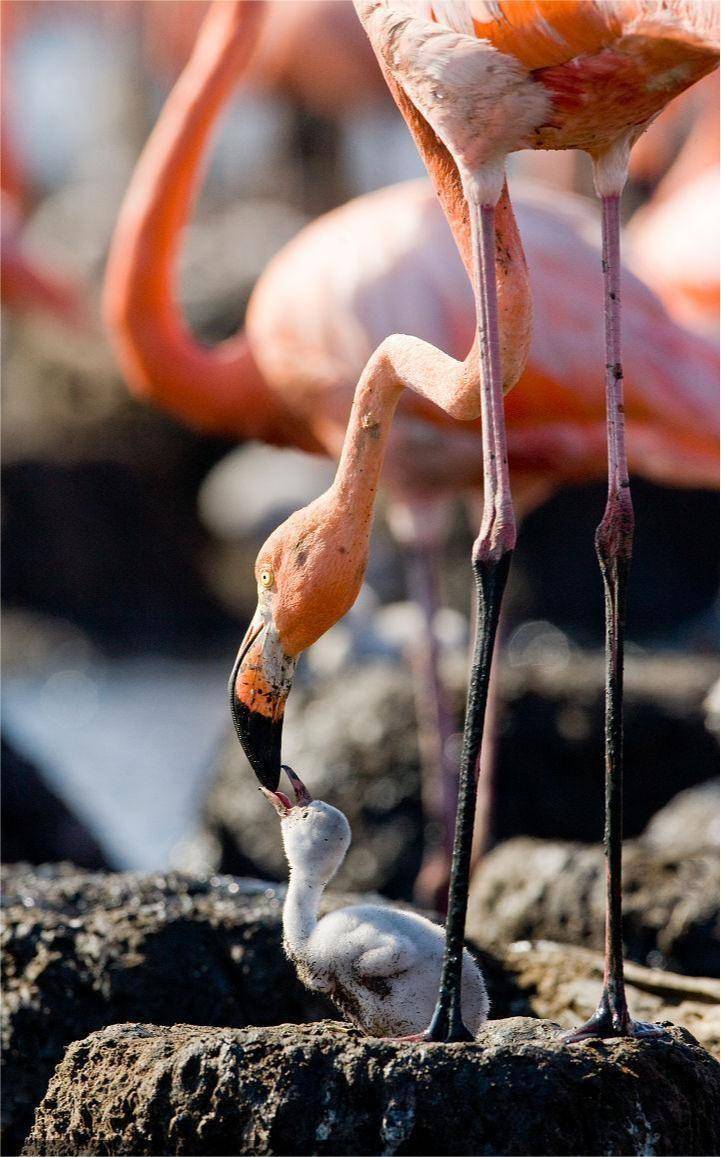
{"type": "Point", "coordinates": [539, 889]}
{"type": "Point", "coordinates": [550, 751]}
{"type": "Point", "coordinates": [561, 983]}
{"type": "Point", "coordinates": [83, 951]}
{"type": "Point", "coordinates": [689, 822]}
{"type": "Point", "coordinates": [324, 1088]}
{"type": "Point", "coordinates": [37, 825]}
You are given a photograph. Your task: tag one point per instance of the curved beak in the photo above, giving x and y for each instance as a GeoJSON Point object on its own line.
{"type": "Point", "coordinates": [279, 800]}
{"type": "Point", "coordinates": [259, 684]}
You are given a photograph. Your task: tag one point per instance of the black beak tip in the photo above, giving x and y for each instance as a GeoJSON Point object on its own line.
{"type": "Point", "coordinates": [260, 737]}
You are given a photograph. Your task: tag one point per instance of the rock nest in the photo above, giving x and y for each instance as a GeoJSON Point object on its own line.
{"type": "Point", "coordinates": [324, 1088]}
{"type": "Point", "coordinates": [84, 951]}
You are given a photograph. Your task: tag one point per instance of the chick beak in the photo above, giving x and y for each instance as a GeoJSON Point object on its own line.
{"type": "Point", "coordinates": [302, 795]}
{"type": "Point", "coordinates": [259, 684]}
{"type": "Point", "coordinates": [279, 800]}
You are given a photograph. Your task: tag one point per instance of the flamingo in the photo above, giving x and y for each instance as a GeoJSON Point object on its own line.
{"type": "Point", "coordinates": [380, 966]}
{"type": "Point", "coordinates": [681, 142]}
{"type": "Point", "coordinates": [288, 378]}
{"type": "Point", "coordinates": [26, 284]}
{"type": "Point", "coordinates": [475, 81]}
{"type": "Point", "coordinates": [679, 261]}
{"type": "Point", "coordinates": [160, 354]}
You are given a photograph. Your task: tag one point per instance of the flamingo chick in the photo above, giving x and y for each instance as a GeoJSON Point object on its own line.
{"type": "Point", "coordinates": [381, 967]}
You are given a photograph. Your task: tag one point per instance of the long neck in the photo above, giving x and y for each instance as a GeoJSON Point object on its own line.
{"type": "Point", "coordinates": [365, 443]}
{"type": "Point", "coordinates": [300, 911]}
{"type": "Point", "coordinates": [339, 522]}
{"type": "Point", "coordinates": [218, 389]}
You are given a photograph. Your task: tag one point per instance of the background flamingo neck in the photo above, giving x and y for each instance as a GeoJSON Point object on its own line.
{"type": "Point", "coordinates": [160, 197]}
{"type": "Point", "coordinates": [222, 389]}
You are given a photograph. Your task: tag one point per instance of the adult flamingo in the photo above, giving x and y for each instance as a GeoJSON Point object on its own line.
{"type": "Point", "coordinates": [682, 141]}
{"type": "Point", "coordinates": [476, 80]}
{"type": "Point", "coordinates": [160, 356]}
{"type": "Point", "coordinates": [26, 284]}
{"type": "Point", "coordinates": [674, 243]}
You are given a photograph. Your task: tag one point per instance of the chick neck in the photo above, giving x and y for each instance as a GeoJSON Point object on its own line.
{"type": "Point", "coordinates": [301, 907]}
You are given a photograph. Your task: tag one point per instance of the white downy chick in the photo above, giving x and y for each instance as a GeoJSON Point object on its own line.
{"type": "Point", "coordinates": [379, 965]}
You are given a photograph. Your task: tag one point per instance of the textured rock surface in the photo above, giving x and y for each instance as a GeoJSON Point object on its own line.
{"type": "Point", "coordinates": [353, 738]}
{"type": "Point", "coordinates": [561, 983]}
{"type": "Point", "coordinates": [537, 889]}
{"type": "Point", "coordinates": [325, 1089]}
{"type": "Point", "coordinates": [84, 951]}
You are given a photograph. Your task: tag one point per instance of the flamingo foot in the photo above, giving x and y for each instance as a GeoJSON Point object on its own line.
{"type": "Point", "coordinates": [607, 1023]}
{"type": "Point", "coordinates": [446, 1027]}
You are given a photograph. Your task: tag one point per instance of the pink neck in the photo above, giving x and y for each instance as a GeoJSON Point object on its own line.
{"type": "Point", "coordinates": [218, 389]}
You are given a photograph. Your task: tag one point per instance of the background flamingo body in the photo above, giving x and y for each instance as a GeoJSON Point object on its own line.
{"type": "Point", "coordinates": [355, 295]}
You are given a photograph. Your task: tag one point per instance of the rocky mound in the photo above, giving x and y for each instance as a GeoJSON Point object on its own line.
{"type": "Point", "coordinates": [689, 822]}
{"type": "Point", "coordinates": [561, 983]}
{"type": "Point", "coordinates": [326, 1089]}
{"type": "Point", "coordinates": [539, 889]}
{"type": "Point", "coordinates": [83, 951]}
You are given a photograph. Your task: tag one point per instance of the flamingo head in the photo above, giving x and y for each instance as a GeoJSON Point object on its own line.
{"type": "Point", "coordinates": [309, 573]}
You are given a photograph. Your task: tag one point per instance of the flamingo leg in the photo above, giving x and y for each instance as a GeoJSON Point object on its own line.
{"type": "Point", "coordinates": [437, 726]}
{"type": "Point", "coordinates": [491, 560]}
{"type": "Point", "coordinates": [614, 540]}
{"type": "Point", "coordinates": [485, 825]}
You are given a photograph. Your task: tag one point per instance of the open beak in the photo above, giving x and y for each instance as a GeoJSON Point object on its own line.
{"type": "Point", "coordinates": [279, 799]}
{"type": "Point", "coordinates": [259, 684]}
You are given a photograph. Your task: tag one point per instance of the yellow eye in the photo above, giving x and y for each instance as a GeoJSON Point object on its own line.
{"type": "Point", "coordinates": [265, 577]}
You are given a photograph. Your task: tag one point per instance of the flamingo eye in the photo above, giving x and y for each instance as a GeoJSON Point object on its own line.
{"type": "Point", "coordinates": [265, 577]}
